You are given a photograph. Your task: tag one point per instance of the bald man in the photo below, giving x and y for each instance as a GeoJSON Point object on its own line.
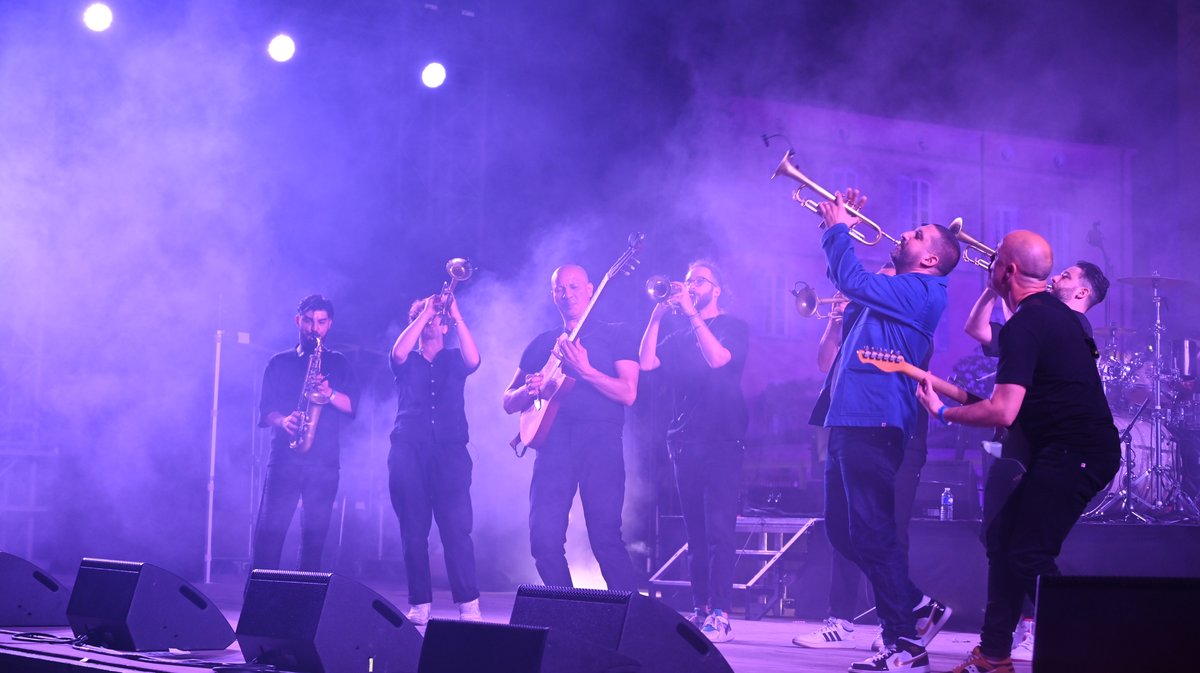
{"type": "Point", "coordinates": [583, 451]}
{"type": "Point", "coordinates": [1048, 382]}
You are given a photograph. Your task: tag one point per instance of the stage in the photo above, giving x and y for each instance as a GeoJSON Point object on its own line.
{"type": "Point", "coordinates": [947, 562]}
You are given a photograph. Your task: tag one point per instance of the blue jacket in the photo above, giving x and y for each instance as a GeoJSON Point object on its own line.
{"type": "Point", "coordinates": [899, 313]}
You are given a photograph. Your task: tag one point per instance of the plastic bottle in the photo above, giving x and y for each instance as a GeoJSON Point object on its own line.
{"type": "Point", "coordinates": [947, 510]}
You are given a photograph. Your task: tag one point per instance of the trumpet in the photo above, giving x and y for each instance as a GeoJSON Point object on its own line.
{"type": "Point", "coordinates": [786, 167]}
{"type": "Point", "coordinates": [808, 304]}
{"type": "Point", "coordinates": [976, 253]}
{"type": "Point", "coordinates": [460, 269]}
{"type": "Point", "coordinates": [658, 288]}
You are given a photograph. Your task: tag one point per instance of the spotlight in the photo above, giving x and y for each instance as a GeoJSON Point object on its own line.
{"type": "Point", "coordinates": [434, 75]}
{"type": "Point", "coordinates": [97, 17]}
{"type": "Point", "coordinates": [282, 48]}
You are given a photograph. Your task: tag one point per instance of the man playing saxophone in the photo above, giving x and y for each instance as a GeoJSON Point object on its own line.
{"type": "Point", "coordinates": [292, 475]}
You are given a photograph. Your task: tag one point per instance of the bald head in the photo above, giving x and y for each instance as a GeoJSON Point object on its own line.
{"type": "Point", "coordinates": [572, 272]}
{"type": "Point", "coordinates": [571, 291]}
{"type": "Point", "coordinates": [1028, 252]}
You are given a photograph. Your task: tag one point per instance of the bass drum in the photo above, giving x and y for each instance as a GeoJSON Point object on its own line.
{"type": "Point", "coordinates": [1142, 444]}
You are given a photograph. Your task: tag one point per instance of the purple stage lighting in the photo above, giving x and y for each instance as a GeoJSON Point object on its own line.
{"type": "Point", "coordinates": [97, 17]}
{"type": "Point", "coordinates": [433, 75]}
{"type": "Point", "coordinates": [282, 48]}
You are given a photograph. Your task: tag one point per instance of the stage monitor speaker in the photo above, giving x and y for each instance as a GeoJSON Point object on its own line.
{"type": "Point", "coordinates": [29, 596]}
{"type": "Point", "coordinates": [458, 647]}
{"type": "Point", "coordinates": [323, 623]}
{"type": "Point", "coordinates": [644, 629]}
{"type": "Point", "coordinates": [1085, 624]}
{"type": "Point", "coordinates": [140, 607]}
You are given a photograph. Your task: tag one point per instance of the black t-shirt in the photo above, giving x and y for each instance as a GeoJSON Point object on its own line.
{"type": "Point", "coordinates": [707, 404]}
{"type": "Point", "coordinates": [992, 348]}
{"type": "Point", "coordinates": [282, 383]}
{"type": "Point", "coordinates": [430, 397]}
{"type": "Point", "coordinates": [1046, 349]}
{"type": "Point", "coordinates": [605, 344]}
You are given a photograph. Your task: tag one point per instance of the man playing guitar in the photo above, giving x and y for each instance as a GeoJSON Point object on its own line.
{"type": "Point", "coordinates": [583, 449]}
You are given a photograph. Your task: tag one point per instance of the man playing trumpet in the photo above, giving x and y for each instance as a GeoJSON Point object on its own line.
{"type": "Point", "coordinates": [702, 364]}
{"type": "Point", "coordinates": [872, 414]}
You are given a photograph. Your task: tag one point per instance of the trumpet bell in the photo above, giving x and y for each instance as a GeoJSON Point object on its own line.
{"type": "Point", "coordinates": [658, 288]}
{"type": "Point", "coordinates": [460, 269]}
{"type": "Point", "coordinates": [807, 301]}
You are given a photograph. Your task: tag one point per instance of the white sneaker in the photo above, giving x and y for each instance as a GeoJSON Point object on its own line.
{"type": "Point", "coordinates": [419, 614]}
{"type": "Point", "coordinates": [836, 633]}
{"type": "Point", "coordinates": [1024, 649]}
{"type": "Point", "coordinates": [716, 627]}
{"type": "Point", "coordinates": [469, 611]}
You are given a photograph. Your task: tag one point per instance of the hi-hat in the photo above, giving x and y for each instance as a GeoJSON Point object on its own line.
{"type": "Point", "coordinates": [1161, 282]}
{"type": "Point", "coordinates": [1113, 331]}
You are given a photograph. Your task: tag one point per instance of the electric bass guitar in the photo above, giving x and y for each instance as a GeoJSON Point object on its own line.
{"type": "Point", "coordinates": [1015, 447]}
{"type": "Point", "coordinates": [556, 385]}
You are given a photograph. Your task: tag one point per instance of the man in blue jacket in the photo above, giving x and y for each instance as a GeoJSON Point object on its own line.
{"type": "Point", "coordinates": [872, 414]}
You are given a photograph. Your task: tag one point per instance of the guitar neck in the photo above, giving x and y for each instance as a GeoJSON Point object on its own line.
{"type": "Point", "coordinates": [940, 386]}
{"type": "Point", "coordinates": [588, 311]}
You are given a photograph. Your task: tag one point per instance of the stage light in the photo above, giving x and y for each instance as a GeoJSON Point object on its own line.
{"type": "Point", "coordinates": [97, 17]}
{"type": "Point", "coordinates": [282, 48]}
{"type": "Point", "coordinates": [434, 75]}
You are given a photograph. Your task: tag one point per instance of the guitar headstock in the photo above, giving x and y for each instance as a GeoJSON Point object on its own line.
{"type": "Point", "coordinates": [628, 260]}
{"type": "Point", "coordinates": [887, 360]}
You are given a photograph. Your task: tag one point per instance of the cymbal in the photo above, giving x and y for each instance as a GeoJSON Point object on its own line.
{"type": "Point", "coordinates": [1162, 282]}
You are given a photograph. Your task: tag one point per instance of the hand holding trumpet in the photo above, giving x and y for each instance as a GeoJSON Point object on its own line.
{"type": "Point", "coordinates": [838, 211]}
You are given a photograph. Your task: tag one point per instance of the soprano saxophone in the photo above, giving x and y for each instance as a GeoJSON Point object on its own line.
{"type": "Point", "coordinates": [311, 403]}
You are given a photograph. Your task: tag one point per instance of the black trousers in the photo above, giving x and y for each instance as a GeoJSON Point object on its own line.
{"type": "Point", "coordinates": [428, 480]}
{"type": "Point", "coordinates": [708, 477]}
{"type": "Point", "coordinates": [588, 458]}
{"type": "Point", "coordinates": [845, 585]}
{"type": "Point", "coordinates": [286, 485]}
{"type": "Point", "coordinates": [1028, 531]}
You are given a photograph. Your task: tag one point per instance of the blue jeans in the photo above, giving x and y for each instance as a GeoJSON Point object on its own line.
{"type": "Point", "coordinates": [285, 485]}
{"type": "Point", "coordinates": [708, 477]}
{"type": "Point", "coordinates": [845, 577]}
{"type": "Point", "coordinates": [860, 519]}
{"type": "Point", "coordinates": [428, 480]}
{"type": "Point", "coordinates": [584, 457]}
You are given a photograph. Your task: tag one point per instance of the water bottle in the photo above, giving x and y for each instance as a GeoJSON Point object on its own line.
{"type": "Point", "coordinates": [947, 509]}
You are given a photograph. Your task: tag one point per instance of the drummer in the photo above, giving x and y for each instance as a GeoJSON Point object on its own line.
{"type": "Point", "coordinates": [1080, 287]}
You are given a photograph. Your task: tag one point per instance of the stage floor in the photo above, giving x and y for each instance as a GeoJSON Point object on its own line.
{"type": "Point", "coordinates": [758, 647]}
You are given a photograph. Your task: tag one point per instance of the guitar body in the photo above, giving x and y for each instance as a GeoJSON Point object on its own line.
{"type": "Point", "coordinates": [537, 419]}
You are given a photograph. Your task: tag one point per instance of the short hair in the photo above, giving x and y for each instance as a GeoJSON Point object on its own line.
{"type": "Point", "coordinates": [1096, 280]}
{"type": "Point", "coordinates": [414, 309]}
{"type": "Point", "coordinates": [315, 302]}
{"type": "Point", "coordinates": [947, 249]}
{"type": "Point", "coordinates": [712, 267]}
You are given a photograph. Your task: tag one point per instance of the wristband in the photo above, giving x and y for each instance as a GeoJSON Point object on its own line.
{"type": "Point", "coordinates": [942, 415]}
{"type": "Point", "coordinates": [332, 394]}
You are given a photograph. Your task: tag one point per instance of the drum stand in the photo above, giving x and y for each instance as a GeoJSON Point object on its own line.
{"type": "Point", "coordinates": [1126, 498]}
{"type": "Point", "coordinates": [1165, 496]}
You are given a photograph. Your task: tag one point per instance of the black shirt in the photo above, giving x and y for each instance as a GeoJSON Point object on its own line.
{"type": "Point", "coordinates": [282, 383]}
{"type": "Point", "coordinates": [430, 398]}
{"type": "Point", "coordinates": [605, 344]}
{"type": "Point", "coordinates": [992, 348]}
{"type": "Point", "coordinates": [707, 404]}
{"type": "Point", "coordinates": [1045, 348]}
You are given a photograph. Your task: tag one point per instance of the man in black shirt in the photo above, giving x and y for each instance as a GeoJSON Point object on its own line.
{"type": "Point", "coordinates": [309, 476]}
{"type": "Point", "coordinates": [702, 361]}
{"type": "Point", "coordinates": [429, 468]}
{"type": "Point", "coordinates": [583, 450]}
{"type": "Point", "coordinates": [1047, 381]}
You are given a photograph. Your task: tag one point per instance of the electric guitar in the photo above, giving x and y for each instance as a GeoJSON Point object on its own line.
{"type": "Point", "coordinates": [536, 420]}
{"type": "Point", "coordinates": [1013, 441]}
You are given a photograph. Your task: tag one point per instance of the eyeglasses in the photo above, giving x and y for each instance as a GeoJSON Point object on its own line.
{"type": "Point", "coordinates": [699, 281]}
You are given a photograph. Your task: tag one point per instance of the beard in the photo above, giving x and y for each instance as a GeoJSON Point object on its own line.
{"type": "Point", "coordinates": [702, 300]}
{"type": "Point", "coordinates": [1063, 294]}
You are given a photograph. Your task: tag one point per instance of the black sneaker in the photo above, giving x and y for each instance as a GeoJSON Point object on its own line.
{"type": "Point", "coordinates": [905, 655]}
{"type": "Point", "coordinates": [931, 616]}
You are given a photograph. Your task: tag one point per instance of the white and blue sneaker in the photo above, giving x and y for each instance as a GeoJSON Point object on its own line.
{"type": "Point", "coordinates": [716, 627]}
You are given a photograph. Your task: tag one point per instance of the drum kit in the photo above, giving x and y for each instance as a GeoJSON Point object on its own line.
{"type": "Point", "coordinates": [1152, 392]}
